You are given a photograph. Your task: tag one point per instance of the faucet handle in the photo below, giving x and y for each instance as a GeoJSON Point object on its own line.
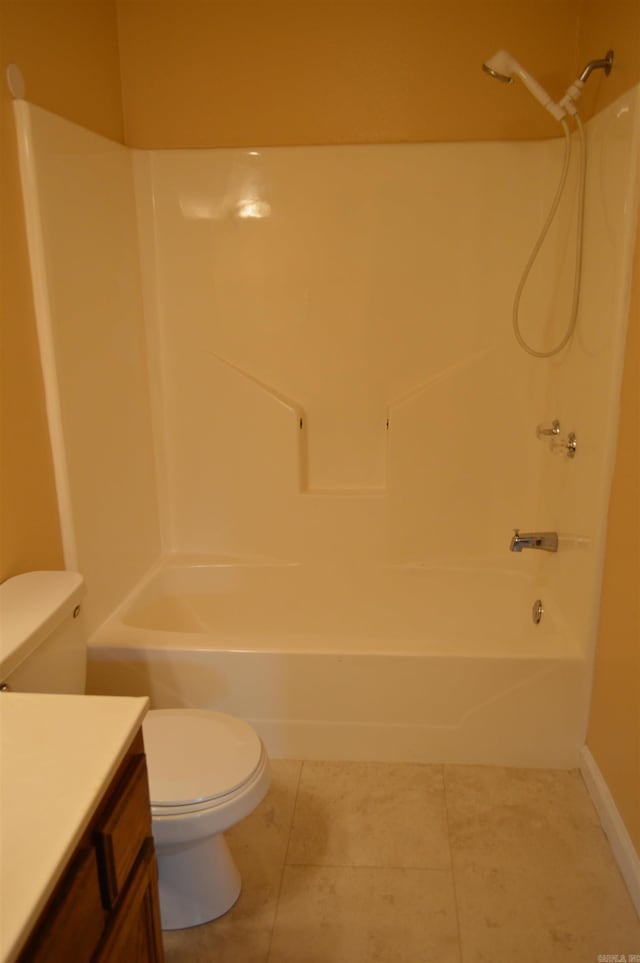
{"type": "Point", "coordinates": [566, 445]}
{"type": "Point", "coordinates": [543, 431]}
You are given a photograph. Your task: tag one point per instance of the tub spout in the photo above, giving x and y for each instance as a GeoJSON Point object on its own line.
{"type": "Point", "coordinates": [547, 541]}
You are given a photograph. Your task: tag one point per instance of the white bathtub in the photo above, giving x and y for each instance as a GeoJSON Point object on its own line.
{"type": "Point", "coordinates": [404, 663]}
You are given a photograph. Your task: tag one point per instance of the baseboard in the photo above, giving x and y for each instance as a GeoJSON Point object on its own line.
{"type": "Point", "coordinates": [619, 839]}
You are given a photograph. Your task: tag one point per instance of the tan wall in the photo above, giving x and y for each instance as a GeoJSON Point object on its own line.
{"type": "Point", "coordinates": [202, 74]}
{"type": "Point", "coordinates": [68, 54]}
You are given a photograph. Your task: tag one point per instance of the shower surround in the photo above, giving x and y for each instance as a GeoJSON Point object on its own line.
{"type": "Point", "coordinates": [293, 432]}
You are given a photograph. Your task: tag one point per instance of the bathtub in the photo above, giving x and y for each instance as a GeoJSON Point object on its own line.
{"type": "Point", "coordinates": [399, 663]}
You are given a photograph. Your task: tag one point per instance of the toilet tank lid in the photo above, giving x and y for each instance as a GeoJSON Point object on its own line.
{"type": "Point", "coordinates": [32, 606]}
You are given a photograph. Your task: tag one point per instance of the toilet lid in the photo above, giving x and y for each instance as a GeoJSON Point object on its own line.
{"type": "Point", "coordinates": [194, 755]}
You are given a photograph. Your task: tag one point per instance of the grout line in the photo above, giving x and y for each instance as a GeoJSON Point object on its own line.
{"type": "Point", "coordinates": [293, 812]}
{"type": "Point", "coordinates": [453, 873]}
{"type": "Point", "coordinates": [284, 863]}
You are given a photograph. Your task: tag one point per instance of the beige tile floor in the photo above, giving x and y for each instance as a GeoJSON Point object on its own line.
{"type": "Point", "coordinates": [385, 863]}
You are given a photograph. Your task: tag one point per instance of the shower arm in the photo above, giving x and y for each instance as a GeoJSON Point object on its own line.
{"type": "Point", "coordinates": [605, 64]}
{"type": "Point", "coordinates": [575, 90]}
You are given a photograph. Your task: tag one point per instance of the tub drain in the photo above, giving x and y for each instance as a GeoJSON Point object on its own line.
{"type": "Point", "coordinates": [536, 611]}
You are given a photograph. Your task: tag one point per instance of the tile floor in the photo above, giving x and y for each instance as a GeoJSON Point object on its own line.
{"type": "Point", "coordinates": [385, 863]}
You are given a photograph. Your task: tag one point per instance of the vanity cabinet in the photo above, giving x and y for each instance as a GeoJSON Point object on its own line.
{"type": "Point", "coordinates": [105, 907]}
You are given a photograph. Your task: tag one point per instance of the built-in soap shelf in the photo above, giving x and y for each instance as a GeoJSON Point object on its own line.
{"type": "Point", "coordinates": [299, 418]}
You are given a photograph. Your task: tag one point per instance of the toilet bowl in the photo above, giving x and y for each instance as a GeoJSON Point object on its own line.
{"type": "Point", "coordinates": [207, 771]}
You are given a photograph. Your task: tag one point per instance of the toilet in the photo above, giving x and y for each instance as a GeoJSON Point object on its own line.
{"type": "Point", "coordinates": [207, 770]}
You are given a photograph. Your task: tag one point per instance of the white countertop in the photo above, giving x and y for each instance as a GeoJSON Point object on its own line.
{"type": "Point", "coordinates": [58, 754]}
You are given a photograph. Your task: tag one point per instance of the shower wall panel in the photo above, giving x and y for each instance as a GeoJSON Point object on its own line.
{"type": "Point", "coordinates": [584, 381]}
{"type": "Point", "coordinates": [336, 374]}
{"type": "Point", "coordinates": [83, 243]}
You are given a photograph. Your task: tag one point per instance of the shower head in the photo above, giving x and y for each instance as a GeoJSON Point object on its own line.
{"type": "Point", "coordinates": [503, 67]}
{"type": "Point", "coordinates": [500, 67]}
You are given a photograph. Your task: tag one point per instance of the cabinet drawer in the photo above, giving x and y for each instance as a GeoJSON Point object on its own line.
{"type": "Point", "coordinates": [121, 833]}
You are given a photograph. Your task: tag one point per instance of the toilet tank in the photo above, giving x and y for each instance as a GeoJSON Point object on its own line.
{"type": "Point", "coordinates": [42, 643]}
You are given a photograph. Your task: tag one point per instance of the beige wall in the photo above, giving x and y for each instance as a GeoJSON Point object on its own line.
{"type": "Point", "coordinates": [216, 74]}
{"type": "Point", "coordinates": [68, 54]}
{"type": "Point", "coordinates": [202, 74]}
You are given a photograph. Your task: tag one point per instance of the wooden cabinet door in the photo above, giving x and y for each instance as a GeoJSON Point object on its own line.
{"type": "Point", "coordinates": [73, 924]}
{"type": "Point", "coordinates": [133, 934]}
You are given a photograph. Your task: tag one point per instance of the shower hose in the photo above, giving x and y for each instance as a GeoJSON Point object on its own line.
{"type": "Point", "coordinates": [545, 230]}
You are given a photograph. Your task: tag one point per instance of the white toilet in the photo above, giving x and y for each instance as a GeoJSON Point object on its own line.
{"type": "Point", "coordinates": [207, 770]}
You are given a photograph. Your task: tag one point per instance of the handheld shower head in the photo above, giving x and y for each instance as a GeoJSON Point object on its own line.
{"type": "Point", "coordinates": [502, 66]}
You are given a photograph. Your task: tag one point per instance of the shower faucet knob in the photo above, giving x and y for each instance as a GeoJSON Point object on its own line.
{"type": "Point", "coordinates": [543, 431]}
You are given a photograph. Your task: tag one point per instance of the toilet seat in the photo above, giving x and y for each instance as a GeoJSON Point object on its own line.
{"type": "Point", "coordinates": [198, 759]}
